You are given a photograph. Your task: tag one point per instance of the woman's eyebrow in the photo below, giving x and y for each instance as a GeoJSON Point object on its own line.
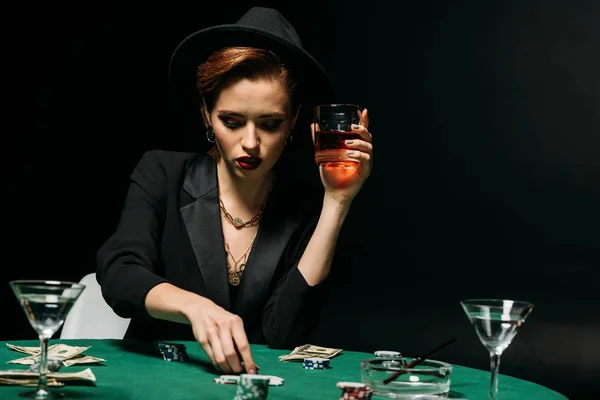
{"type": "Point", "coordinates": [228, 113]}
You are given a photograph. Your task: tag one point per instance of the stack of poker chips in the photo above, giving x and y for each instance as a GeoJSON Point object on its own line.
{"type": "Point", "coordinates": [398, 360]}
{"type": "Point", "coordinates": [53, 365]}
{"type": "Point", "coordinates": [252, 387]}
{"type": "Point", "coordinates": [173, 352]}
{"type": "Point", "coordinates": [316, 363]}
{"type": "Point", "coordinates": [354, 390]}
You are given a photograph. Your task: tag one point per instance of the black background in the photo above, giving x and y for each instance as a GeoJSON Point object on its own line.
{"type": "Point", "coordinates": [486, 125]}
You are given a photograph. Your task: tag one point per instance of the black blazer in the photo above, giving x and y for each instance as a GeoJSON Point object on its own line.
{"type": "Point", "coordinates": [170, 231]}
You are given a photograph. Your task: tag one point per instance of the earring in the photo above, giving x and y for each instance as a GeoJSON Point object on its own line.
{"type": "Point", "coordinates": [210, 135]}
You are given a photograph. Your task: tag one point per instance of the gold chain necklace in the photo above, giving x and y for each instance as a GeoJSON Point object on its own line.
{"type": "Point", "coordinates": [237, 221]}
{"type": "Point", "coordinates": [236, 270]}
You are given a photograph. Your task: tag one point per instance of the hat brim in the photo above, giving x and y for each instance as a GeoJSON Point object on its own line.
{"type": "Point", "coordinates": [197, 47]}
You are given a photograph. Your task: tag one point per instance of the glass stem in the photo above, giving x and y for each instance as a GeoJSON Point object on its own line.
{"type": "Point", "coordinates": [42, 387]}
{"type": "Point", "coordinates": [494, 368]}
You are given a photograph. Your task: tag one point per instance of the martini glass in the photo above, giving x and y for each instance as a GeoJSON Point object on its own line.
{"type": "Point", "coordinates": [46, 305]}
{"type": "Point", "coordinates": [496, 323]}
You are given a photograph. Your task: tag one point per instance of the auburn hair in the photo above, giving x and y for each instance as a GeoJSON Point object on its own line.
{"type": "Point", "coordinates": [233, 63]}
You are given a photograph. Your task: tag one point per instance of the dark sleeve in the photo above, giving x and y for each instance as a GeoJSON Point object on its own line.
{"type": "Point", "coordinates": [126, 261]}
{"type": "Point", "coordinates": [292, 309]}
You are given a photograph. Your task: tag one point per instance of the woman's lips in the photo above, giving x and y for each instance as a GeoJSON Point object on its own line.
{"type": "Point", "coordinates": [249, 162]}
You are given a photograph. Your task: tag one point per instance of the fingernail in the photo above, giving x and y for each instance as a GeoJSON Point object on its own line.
{"type": "Point", "coordinates": [252, 371]}
{"type": "Point", "coordinates": [354, 126]}
{"type": "Point", "coordinates": [349, 141]}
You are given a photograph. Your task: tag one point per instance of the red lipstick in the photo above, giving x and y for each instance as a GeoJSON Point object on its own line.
{"type": "Point", "coordinates": [249, 163]}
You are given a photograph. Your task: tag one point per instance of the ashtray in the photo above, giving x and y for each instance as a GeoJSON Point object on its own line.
{"type": "Point", "coordinates": [428, 378]}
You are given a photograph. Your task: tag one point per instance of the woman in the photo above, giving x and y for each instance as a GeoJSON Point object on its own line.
{"type": "Point", "coordinates": [228, 242]}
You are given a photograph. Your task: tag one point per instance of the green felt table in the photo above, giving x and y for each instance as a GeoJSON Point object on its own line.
{"type": "Point", "coordinates": [134, 371]}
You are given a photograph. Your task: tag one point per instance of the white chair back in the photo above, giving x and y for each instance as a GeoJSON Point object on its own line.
{"type": "Point", "coordinates": [91, 317]}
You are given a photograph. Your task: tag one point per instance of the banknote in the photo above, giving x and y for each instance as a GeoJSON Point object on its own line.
{"type": "Point", "coordinates": [309, 351]}
{"type": "Point", "coordinates": [26, 350]}
{"type": "Point", "coordinates": [24, 377]}
{"type": "Point", "coordinates": [29, 382]}
{"type": "Point", "coordinates": [82, 359]}
{"type": "Point", "coordinates": [70, 355]}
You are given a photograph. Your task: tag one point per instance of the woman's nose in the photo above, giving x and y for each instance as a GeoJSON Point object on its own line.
{"type": "Point", "coordinates": [250, 138]}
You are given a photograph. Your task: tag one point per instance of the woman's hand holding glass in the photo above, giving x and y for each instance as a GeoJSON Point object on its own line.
{"type": "Point", "coordinates": [342, 183]}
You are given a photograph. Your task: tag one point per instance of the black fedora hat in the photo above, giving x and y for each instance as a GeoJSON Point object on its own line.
{"type": "Point", "coordinates": [260, 27]}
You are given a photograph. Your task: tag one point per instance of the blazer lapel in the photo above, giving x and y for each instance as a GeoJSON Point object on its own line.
{"type": "Point", "coordinates": [273, 235]}
{"type": "Point", "coordinates": [202, 219]}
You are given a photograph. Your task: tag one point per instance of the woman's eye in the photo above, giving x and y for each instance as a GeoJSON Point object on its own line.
{"type": "Point", "coordinates": [269, 126]}
{"type": "Point", "coordinates": [231, 124]}
{"type": "Point", "coordinates": [272, 126]}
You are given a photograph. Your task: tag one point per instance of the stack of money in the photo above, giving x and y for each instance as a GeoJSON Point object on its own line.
{"type": "Point", "coordinates": [309, 351]}
{"type": "Point", "coordinates": [58, 355]}
{"type": "Point", "coordinates": [67, 355]}
{"type": "Point", "coordinates": [55, 379]}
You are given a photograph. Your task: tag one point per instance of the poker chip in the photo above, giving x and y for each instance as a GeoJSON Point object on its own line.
{"type": "Point", "coordinates": [173, 352]}
{"type": "Point", "coordinates": [398, 361]}
{"type": "Point", "coordinates": [234, 380]}
{"type": "Point", "coordinates": [227, 380]}
{"type": "Point", "coordinates": [387, 353]}
{"type": "Point", "coordinates": [354, 390]}
{"type": "Point", "coordinates": [252, 387]}
{"type": "Point", "coordinates": [276, 381]}
{"type": "Point", "coordinates": [316, 363]}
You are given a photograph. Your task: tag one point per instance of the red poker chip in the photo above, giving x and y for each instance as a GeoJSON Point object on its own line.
{"type": "Point", "coordinates": [351, 386]}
